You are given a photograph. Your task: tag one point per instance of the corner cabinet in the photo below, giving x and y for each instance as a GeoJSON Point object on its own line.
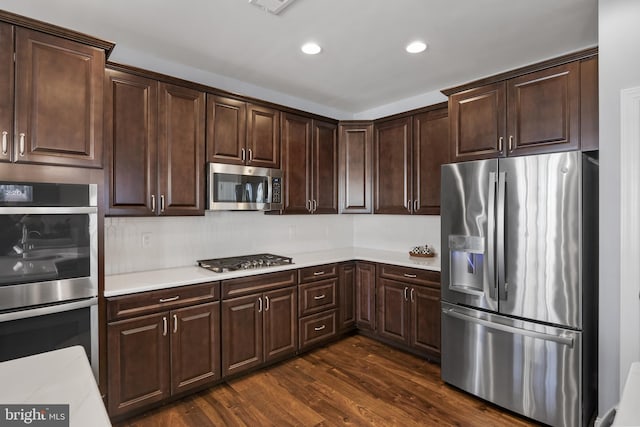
{"type": "Point", "coordinates": [57, 100]}
{"type": "Point", "coordinates": [242, 133]}
{"type": "Point", "coordinates": [365, 282]}
{"type": "Point", "coordinates": [355, 159]}
{"type": "Point", "coordinates": [408, 153]}
{"type": "Point", "coordinates": [310, 165]}
{"type": "Point", "coordinates": [161, 343]}
{"type": "Point", "coordinates": [532, 111]}
{"type": "Point", "coordinates": [155, 146]}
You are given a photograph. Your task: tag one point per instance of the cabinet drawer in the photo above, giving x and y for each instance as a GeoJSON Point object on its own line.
{"type": "Point", "coordinates": [141, 303]}
{"type": "Point", "coordinates": [410, 275]}
{"type": "Point", "coordinates": [317, 296]}
{"type": "Point", "coordinates": [317, 328]}
{"type": "Point", "coordinates": [260, 283]}
{"type": "Point", "coordinates": [317, 272]}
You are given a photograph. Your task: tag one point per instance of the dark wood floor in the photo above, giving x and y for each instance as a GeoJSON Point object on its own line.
{"type": "Point", "coordinates": [356, 381]}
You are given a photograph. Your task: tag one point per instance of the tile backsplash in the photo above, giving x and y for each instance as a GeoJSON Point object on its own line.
{"type": "Point", "coordinates": [139, 244]}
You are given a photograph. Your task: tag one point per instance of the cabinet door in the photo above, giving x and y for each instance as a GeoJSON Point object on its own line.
{"type": "Point", "coordinates": [226, 130]}
{"type": "Point", "coordinates": [195, 346]}
{"type": "Point", "coordinates": [478, 123]}
{"type": "Point", "coordinates": [6, 91]}
{"type": "Point", "coordinates": [280, 323]}
{"type": "Point", "coordinates": [392, 167]}
{"type": "Point", "coordinates": [139, 363]}
{"type": "Point", "coordinates": [425, 320]}
{"type": "Point", "coordinates": [346, 296]}
{"type": "Point", "coordinates": [131, 143]}
{"type": "Point", "coordinates": [430, 151]}
{"type": "Point", "coordinates": [296, 163]}
{"type": "Point", "coordinates": [325, 168]}
{"type": "Point", "coordinates": [393, 305]}
{"type": "Point", "coordinates": [263, 136]}
{"type": "Point", "coordinates": [181, 115]}
{"type": "Point", "coordinates": [544, 111]}
{"type": "Point", "coordinates": [366, 296]}
{"type": "Point", "coordinates": [589, 124]}
{"type": "Point", "coordinates": [355, 180]}
{"type": "Point", "coordinates": [241, 327]}
{"type": "Point", "coordinates": [58, 100]}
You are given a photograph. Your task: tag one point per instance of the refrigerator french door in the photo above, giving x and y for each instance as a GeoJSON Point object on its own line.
{"type": "Point", "coordinates": [518, 283]}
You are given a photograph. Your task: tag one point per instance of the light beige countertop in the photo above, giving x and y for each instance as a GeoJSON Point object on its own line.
{"type": "Point", "coordinates": [122, 284]}
{"type": "Point", "coordinates": [59, 377]}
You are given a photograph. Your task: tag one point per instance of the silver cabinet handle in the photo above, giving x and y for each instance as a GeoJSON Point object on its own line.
{"type": "Point", "coordinates": [409, 205]}
{"type": "Point", "coordinates": [259, 305]}
{"type": "Point", "coordinates": [416, 205]}
{"type": "Point", "coordinates": [153, 203]}
{"type": "Point", "coordinates": [319, 328]}
{"type": "Point", "coordinates": [170, 299]}
{"type": "Point", "coordinates": [510, 142]}
{"type": "Point", "coordinates": [164, 326]}
{"type": "Point", "coordinates": [5, 146]}
{"type": "Point", "coordinates": [406, 289]}
{"type": "Point", "coordinates": [410, 276]}
{"type": "Point", "coordinates": [162, 203]}
{"type": "Point", "coordinates": [500, 143]}
{"type": "Point", "coordinates": [242, 155]}
{"type": "Point", "coordinates": [309, 206]}
{"type": "Point", "coordinates": [21, 148]}
{"type": "Point", "coordinates": [413, 295]}
{"type": "Point", "coordinates": [175, 323]}
{"type": "Point", "coordinates": [315, 205]}
{"type": "Point", "coordinates": [319, 297]}
{"type": "Point", "coordinates": [266, 303]}
{"type": "Point", "coordinates": [568, 341]}
{"type": "Point", "coordinates": [318, 273]}
{"type": "Point", "coordinates": [250, 154]}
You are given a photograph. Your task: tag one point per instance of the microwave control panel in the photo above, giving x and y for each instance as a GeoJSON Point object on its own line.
{"type": "Point", "coordinates": [276, 187]}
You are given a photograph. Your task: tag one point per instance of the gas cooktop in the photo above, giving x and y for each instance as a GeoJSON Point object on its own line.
{"type": "Point", "coordinates": [245, 262]}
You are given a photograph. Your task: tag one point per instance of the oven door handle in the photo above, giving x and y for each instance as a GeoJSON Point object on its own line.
{"type": "Point", "coordinates": [50, 309]}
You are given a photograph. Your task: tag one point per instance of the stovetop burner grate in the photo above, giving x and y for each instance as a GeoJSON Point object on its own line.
{"type": "Point", "coordinates": [245, 262]}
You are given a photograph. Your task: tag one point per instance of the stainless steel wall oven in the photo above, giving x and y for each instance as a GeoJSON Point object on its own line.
{"type": "Point", "coordinates": [48, 268]}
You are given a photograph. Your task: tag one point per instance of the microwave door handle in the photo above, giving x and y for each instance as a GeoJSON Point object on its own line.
{"type": "Point", "coordinates": [491, 232]}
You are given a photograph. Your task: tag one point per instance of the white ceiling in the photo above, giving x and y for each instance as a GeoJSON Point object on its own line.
{"type": "Point", "coordinates": [236, 46]}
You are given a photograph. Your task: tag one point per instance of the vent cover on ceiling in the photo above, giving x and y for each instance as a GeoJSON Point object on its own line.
{"type": "Point", "coordinates": [272, 6]}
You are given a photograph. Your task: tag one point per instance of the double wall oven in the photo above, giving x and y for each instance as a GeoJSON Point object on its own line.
{"type": "Point", "coordinates": [48, 269]}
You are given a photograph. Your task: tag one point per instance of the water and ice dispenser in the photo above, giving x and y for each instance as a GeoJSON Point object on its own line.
{"type": "Point", "coordinates": [466, 263]}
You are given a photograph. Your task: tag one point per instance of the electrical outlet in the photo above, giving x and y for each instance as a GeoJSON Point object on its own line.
{"type": "Point", "coordinates": [146, 240]}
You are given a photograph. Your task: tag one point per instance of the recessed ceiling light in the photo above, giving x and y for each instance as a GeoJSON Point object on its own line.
{"type": "Point", "coordinates": [311, 48]}
{"type": "Point", "coordinates": [416, 47]}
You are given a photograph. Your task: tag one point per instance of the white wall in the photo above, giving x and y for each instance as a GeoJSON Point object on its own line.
{"type": "Point", "coordinates": [619, 68]}
{"type": "Point", "coordinates": [180, 241]}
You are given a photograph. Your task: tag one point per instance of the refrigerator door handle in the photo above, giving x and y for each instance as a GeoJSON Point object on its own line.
{"type": "Point", "coordinates": [568, 341]}
{"type": "Point", "coordinates": [491, 235]}
{"type": "Point", "coordinates": [500, 236]}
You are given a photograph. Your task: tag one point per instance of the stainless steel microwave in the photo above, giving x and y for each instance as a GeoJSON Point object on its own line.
{"type": "Point", "coordinates": [243, 188]}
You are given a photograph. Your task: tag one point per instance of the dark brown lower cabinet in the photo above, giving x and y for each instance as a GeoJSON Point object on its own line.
{"type": "Point", "coordinates": [346, 296]}
{"type": "Point", "coordinates": [155, 356]}
{"type": "Point", "coordinates": [366, 296]}
{"type": "Point", "coordinates": [409, 315]}
{"type": "Point", "coordinates": [257, 329]}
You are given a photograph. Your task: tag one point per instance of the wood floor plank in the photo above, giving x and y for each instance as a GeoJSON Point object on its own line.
{"type": "Point", "coordinates": [354, 382]}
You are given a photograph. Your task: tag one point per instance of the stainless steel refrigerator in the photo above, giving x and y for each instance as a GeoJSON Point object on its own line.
{"type": "Point", "coordinates": [519, 283]}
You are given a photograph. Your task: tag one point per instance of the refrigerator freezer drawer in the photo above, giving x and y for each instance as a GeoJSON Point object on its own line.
{"type": "Point", "coordinates": [531, 369]}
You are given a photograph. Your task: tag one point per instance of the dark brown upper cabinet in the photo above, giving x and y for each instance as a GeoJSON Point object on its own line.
{"type": "Point", "coordinates": [155, 146]}
{"type": "Point", "coordinates": [242, 134]}
{"type": "Point", "coordinates": [408, 153]}
{"type": "Point", "coordinates": [57, 100]}
{"type": "Point", "coordinates": [310, 165]}
{"type": "Point", "coordinates": [542, 108]}
{"type": "Point", "coordinates": [355, 167]}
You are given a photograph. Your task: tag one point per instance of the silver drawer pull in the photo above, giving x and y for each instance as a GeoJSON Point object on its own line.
{"type": "Point", "coordinates": [319, 328]}
{"type": "Point", "coordinates": [318, 273]}
{"type": "Point", "coordinates": [317, 297]}
{"type": "Point", "coordinates": [177, 297]}
{"type": "Point", "coordinates": [410, 276]}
